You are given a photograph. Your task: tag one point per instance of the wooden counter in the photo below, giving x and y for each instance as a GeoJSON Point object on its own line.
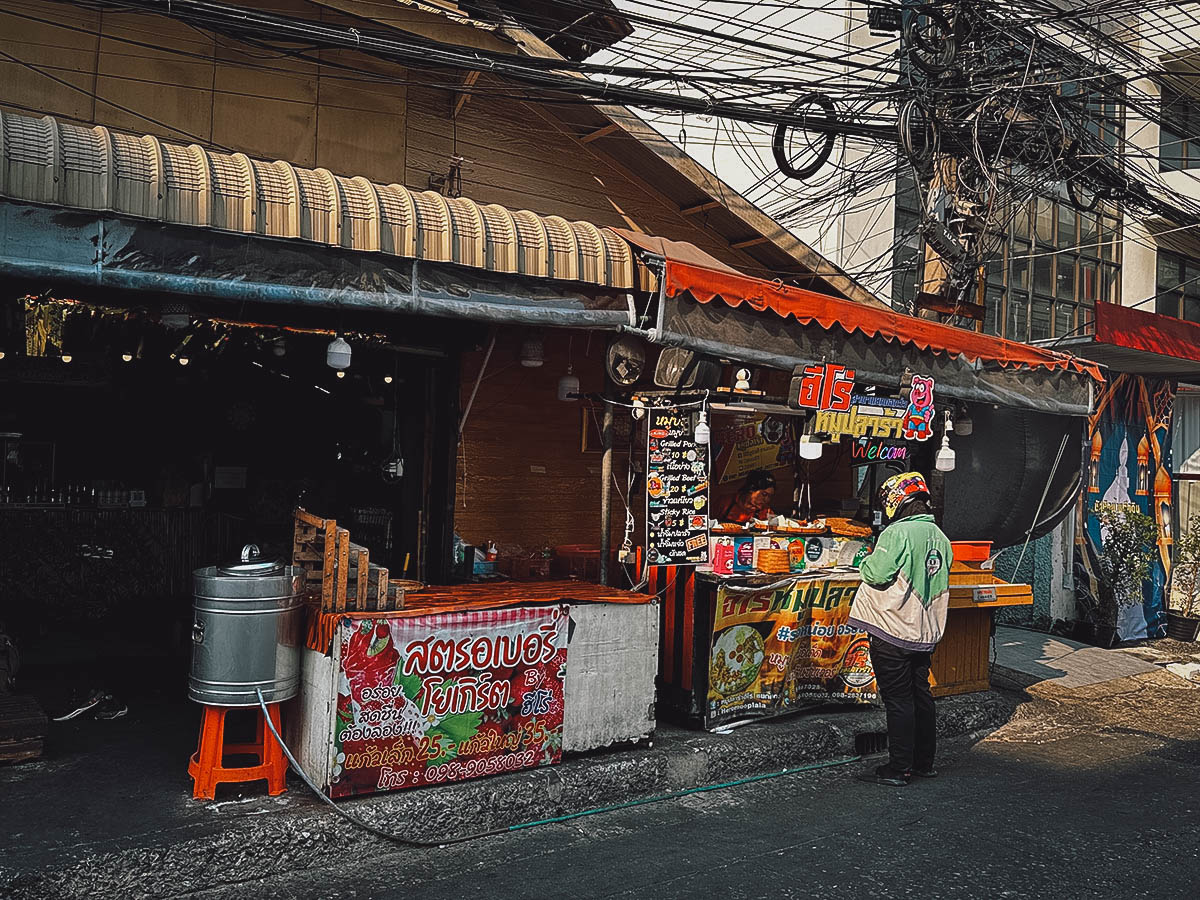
{"type": "Point", "coordinates": [961, 661]}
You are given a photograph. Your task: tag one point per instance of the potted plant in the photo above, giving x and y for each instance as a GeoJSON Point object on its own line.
{"type": "Point", "coordinates": [1183, 612]}
{"type": "Point", "coordinates": [1127, 537]}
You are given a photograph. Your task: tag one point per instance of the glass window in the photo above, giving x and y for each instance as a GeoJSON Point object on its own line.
{"type": "Point", "coordinates": [1089, 277]}
{"type": "Point", "coordinates": [1177, 286]}
{"type": "Point", "coordinates": [1066, 277]}
{"type": "Point", "coordinates": [1019, 277]}
{"type": "Point", "coordinates": [993, 304]}
{"type": "Point", "coordinates": [1178, 141]}
{"type": "Point", "coordinates": [1021, 222]}
{"type": "Point", "coordinates": [1043, 273]}
{"type": "Point", "coordinates": [1045, 220]}
{"type": "Point", "coordinates": [1191, 307]}
{"type": "Point", "coordinates": [1017, 327]}
{"type": "Point", "coordinates": [1087, 232]}
{"type": "Point", "coordinates": [1064, 319]}
{"type": "Point", "coordinates": [1039, 318]}
{"type": "Point", "coordinates": [1110, 284]}
{"type": "Point", "coordinates": [1066, 226]}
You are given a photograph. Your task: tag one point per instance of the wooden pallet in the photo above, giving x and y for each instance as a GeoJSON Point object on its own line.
{"type": "Point", "coordinates": [23, 728]}
{"type": "Point", "coordinates": [338, 573]}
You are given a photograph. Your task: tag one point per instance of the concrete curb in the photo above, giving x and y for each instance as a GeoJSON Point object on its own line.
{"type": "Point", "coordinates": [264, 842]}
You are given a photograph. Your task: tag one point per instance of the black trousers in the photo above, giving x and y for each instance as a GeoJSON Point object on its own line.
{"type": "Point", "coordinates": [903, 680]}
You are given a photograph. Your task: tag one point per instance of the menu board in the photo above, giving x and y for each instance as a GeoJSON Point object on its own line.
{"type": "Point", "coordinates": [677, 478]}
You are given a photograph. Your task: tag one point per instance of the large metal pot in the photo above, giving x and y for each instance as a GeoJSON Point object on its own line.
{"type": "Point", "coordinates": [246, 632]}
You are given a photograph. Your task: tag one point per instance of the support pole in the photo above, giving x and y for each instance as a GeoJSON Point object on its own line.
{"type": "Point", "coordinates": [606, 439]}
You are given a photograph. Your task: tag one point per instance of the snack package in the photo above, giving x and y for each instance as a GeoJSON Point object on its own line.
{"type": "Point", "coordinates": [743, 553]}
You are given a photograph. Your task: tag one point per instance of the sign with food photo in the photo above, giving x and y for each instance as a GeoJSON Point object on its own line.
{"type": "Point", "coordinates": [777, 649]}
{"type": "Point", "coordinates": [437, 698]}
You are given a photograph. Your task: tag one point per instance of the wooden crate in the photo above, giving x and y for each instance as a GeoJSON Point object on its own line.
{"type": "Point", "coordinates": [339, 575]}
{"type": "Point", "coordinates": [23, 728]}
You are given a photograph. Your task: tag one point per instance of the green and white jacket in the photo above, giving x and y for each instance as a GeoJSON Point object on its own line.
{"type": "Point", "coordinates": [906, 585]}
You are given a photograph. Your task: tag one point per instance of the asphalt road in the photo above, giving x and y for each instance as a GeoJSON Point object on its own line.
{"type": "Point", "coordinates": [1089, 794]}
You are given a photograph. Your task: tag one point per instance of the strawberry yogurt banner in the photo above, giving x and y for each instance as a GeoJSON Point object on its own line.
{"type": "Point", "coordinates": [445, 697]}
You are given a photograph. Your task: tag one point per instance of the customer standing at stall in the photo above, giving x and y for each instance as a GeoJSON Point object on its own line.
{"type": "Point", "coordinates": [902, 605]}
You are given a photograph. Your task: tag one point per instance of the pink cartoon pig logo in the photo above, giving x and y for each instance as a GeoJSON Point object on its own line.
{"type": "Point", "coordinates": [918, 418]}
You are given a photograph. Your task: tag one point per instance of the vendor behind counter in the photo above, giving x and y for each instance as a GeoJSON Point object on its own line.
{"type": "Point", "coordinates": [753, 500]}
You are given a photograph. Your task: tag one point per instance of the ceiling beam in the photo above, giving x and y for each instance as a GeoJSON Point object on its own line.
{"type": "Point", "coordinates": [599, 133]}
{"type": "Point", "coordinates": [461, 98]}
{"type": "Point", "coordinates": [749, 242]}
{"type": "Point", "coordinates": [700, 207]}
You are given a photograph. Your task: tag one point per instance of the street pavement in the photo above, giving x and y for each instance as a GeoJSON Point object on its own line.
{"type": "Point", "coordinates": [1088, 791]}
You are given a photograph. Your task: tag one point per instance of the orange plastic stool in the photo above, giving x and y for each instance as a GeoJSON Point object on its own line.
{"type": "Point", "coordinates": [207, 763]}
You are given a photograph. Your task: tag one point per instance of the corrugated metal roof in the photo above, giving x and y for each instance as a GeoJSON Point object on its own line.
{"type": "Point", "coordinates": [60, 164]}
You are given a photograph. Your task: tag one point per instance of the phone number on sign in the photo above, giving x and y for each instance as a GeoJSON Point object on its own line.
{"type": "Point", "coordinates": [455, 770]}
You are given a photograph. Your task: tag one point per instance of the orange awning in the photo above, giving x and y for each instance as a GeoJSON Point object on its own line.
{"type": "Point", "coordinates": [808, 307]}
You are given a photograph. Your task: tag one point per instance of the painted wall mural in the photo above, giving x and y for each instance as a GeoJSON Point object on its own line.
{"type": "Point", "coordinates": [1129, 464]}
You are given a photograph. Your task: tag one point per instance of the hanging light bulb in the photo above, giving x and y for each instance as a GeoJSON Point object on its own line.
{"type": "Point", "coordinates": [180, 354]}
{"type": "Point", "coordinates": [703, 432]}
{"type": "Point", "coordinates": [945, 460]}
{"type": "Point", "coordinates": [742, 380]}
{"type": "Point", "coordinates": [533, 354]}
{"type": "Point", "coordinates": [67, 357]}
{"type": "Point", "coordinates": [126, 357]}
{"type": "Point", "coordinates": [568, 386]}
{"type": "Point", "coordinates": [340, 373]}
{"type": "Point", "coordinates": [1, 354]}
{"type": "Point", "coordinates": [964, 424]}
{"type": "Point", "coordinates": [639, 408]}
{"type": "Point", "coordinates": [809, 447]}
{"type": "Point", "coordinates": [338, 353]}
{"type": "Point", "coordinates": [387, 379]}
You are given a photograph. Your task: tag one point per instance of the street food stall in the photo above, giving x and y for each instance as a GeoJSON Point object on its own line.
{"type": "Point", "coordinates": [406, 685]}
{"type": "Point", "coordinates": [757, 584]}
{"type": "Point", "coordinates": [760, 626]}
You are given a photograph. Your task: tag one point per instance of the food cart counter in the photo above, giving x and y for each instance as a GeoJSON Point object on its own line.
{"type": "Point", "coordinates": [472, 680]}
{"type": "Point", "coordinates": [806, 653]}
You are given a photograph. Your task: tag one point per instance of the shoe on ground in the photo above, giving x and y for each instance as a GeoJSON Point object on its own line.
{"type": "Point", "coordinates": [887, 776]}
{"type": "Point", "coordinates": [79, 707]}
{"type": "Point", "coordinates": [111, 708]}
{"type": "Point", "coordinates": [931, 772]}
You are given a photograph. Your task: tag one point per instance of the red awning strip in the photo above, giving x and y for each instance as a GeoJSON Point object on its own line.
{"type": "Point", "coordinates": [1137, 329]}
{"type": "Point", "coordinates": [808, 307]}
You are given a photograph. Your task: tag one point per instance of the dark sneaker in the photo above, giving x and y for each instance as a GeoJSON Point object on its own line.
{"type": "Point", "coordinates": [885, 775]}
{"type": "Point", "coordinates": [111, 708]}
{"type": "Point", "coordinates": [931, 772]}
{"type": "Point", "coordinates": [93, 700]}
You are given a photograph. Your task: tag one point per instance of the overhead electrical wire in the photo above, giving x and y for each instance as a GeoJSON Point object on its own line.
{"type": "Point", "coordinates": [1019, 94]}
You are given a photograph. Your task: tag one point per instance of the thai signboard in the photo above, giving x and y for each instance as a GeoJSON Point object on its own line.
{"type": "Point", "coordinates": [779, 648]}
{"type": "Point", "coordinates": [909, 419]}
{"type": "Point", "coordinates": [677, 490]}
{"type": "Point", "coordinates": [445, 697]}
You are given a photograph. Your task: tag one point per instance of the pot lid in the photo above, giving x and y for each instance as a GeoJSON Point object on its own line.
{"type": "Point", "coordinates": [252, 563]}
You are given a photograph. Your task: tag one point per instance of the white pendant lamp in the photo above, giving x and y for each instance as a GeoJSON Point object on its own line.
{"type": "Point", "coordinates": [338, 353]}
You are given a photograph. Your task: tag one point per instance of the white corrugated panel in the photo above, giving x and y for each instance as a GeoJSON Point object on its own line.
{"type": "Point", "coordinates": [46, 161]}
